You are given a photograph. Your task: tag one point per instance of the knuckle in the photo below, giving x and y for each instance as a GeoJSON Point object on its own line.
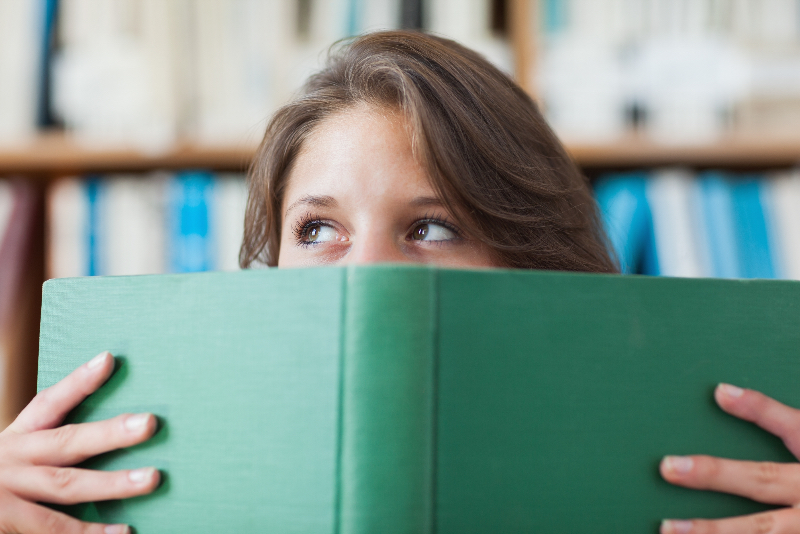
{"type": "Point", "coordinates": [763, 523]}
{"type": "Point", "coordinates": [56, 523]}
{"type": "Point", "coordinates": [63, 435]}
{"type": "Point", "coordinates": [768, 473]}
{"type": "Point", "coordinates": [64, 479]}
{"type": "Point", "coordinates": [44, 399]}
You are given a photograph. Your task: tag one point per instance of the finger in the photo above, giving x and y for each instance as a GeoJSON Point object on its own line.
{"type": "Point", "coordinates": [71, 485]}
{"type": "Point", "coordinates": [72, 444]}
{"type": "Point", "coordinates": [51, 405]}
{"type": "Point", "coordinates": [29, 518]}
{"type": "Point", "coordinates": [767, 413]}
{"type": "Point", "coordinates": [766, 482]}
{"type": "Point", "coordinates": [784, 521]}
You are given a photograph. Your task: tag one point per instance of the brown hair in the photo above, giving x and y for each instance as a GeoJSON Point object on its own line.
{"type": "Point", "coordinates": [490, 156]}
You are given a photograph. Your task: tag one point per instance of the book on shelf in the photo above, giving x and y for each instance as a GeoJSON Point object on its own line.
{"type": "Point", "coordinates": [669, 194]}
{"type": "Point", "coordinates": [708, 224]}
{"type": "Point", "coordinates": [622, 202]}
{"type": "Point", "coordinates": [127, 224]}
{"type": "Point", "coordinates": [755, 246]}
{"type": "Point", "coordinates": [416, 399]}
{"type": "Point", "coordinates": [148, 73]}
{"type": "Point", "coordinates": [19, 214]}
{"type": "Point", "coordinates": [680, 72]}
{"type": "Point", "coordinates": [23, 60]}
{"type": "Point", "coordinates": [784, 212]}
{"type": "Point", "coordinates": [717, 230]}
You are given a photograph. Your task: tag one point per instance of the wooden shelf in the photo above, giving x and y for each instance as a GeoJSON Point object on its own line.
{"type": "Point", "coordinates": [57, 155]}
{"type": "Point", "coordinates": [733, 152]}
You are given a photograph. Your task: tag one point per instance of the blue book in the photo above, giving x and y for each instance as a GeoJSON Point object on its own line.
{"type": "Point", "coordinates": [755, 257]}
{"type": "Point", "coordinates": [93, 256]}
{"type": "Point", "coordinates": [44, 115]}
{"type": "Point", "coordinates": [626, 216]}
{"type": "Point", "coordinates": [191, 247]}
{"type": "Point", "coordinates": [554, 15]}
{"type": "Point", "coordinates": [354, 9]}
{"type": "Point", "coordinates": [717, 215]}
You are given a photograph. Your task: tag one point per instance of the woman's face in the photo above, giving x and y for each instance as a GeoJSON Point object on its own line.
{"type": "Point", "coordinates": [356, 195]}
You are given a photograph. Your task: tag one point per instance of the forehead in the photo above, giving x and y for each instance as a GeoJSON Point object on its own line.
{"type": "Point", "coordinates": [363, 151]}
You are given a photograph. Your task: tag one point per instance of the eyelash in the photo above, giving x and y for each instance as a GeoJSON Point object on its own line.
{"type": "Point", "coordinates": [441, 220]}
{"type": "Point", "coordinates": [301, 227]}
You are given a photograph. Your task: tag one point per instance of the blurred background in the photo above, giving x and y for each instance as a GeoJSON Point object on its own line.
{"type": "Point", "coordinates": [126, 127]}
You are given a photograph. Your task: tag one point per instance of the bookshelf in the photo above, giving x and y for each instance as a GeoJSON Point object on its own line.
{"type": "Point", "coordinates": [56, 155]}
{"type": "Point", "coordinates": [53, 155]}
{"type": "Point", "coordinates": [734, 152]}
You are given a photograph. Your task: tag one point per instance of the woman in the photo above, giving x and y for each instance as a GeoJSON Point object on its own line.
{"type": "Point", "coordinates": [406, 148]}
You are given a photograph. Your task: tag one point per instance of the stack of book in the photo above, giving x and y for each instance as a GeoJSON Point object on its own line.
{"type": "Point", "coordinates": [149, 73]}
{"type": "Point", "coordinates": [121, 225]}
{"type": "Point", "coordinates": [711, 224]}
{"type": "Point", "coordinates": [682, 71]}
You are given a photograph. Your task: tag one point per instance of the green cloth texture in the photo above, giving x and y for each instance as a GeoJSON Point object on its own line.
{"type": "Point", "coordinates": [412, 399]}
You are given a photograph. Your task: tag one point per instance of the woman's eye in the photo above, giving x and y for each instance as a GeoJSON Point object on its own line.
{"type": "Point", "coordinates": [319, 233]}
{"type": "Point", "coordinates": [432, 232]}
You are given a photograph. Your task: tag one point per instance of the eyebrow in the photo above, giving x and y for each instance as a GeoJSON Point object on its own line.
{"type": "Point", "coordinates": [323, 201]}
{"type": "Point", "coordinates": [421, 202]}
{"type": "Point", "coordinates": [326, 201]}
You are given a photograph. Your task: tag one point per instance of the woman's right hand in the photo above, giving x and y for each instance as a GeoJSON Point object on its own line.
{"type": "Point", "coordinates": [36, 454]}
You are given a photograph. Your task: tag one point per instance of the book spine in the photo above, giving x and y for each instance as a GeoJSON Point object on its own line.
{"type": "Point", "coordinates": [626, 216]}
{"type": "Point", "coordinates": [44, 113]}
{"type": "Point", "coordinates": [785, 192]}
{"type": "Point", "coordinates": [754, 247]}
{"type": "Point", "coordinates": [67, 228]}
{"type": "Point", "coordinates": [229, 203]}
{"type": "Point", "coordinates": [386, 449]}
{"type": "Point", "coordinates": [718, 223]}
{"type": "Point", "coordinates": [93, 240]}
{"type": "Point", "coordinates": [669, 195]}
{"type": "Point", "coordinates": [191, 248]}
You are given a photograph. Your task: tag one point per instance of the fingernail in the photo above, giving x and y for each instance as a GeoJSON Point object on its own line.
{"type": "Point", "coordinates": [137, 422]}
{"type": "Point", "coordinates": [678, 464]}
{"type": "Point", "coordinates": [97, 360]}
{"type": "Point", "coordinates": [731, 391]}
{"type": "Point", "coordinates": [675, 527]}
{"type": "Point", "coordinates": [138, 476]}
{"type": "Point", "coordinates": [117, 529]}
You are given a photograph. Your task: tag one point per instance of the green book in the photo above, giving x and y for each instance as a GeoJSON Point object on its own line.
{"type": "Point", "coordinates": [419, 400]}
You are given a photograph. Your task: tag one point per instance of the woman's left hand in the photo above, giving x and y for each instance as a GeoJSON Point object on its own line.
{"type": "Point", "coordinates": [767, 482]}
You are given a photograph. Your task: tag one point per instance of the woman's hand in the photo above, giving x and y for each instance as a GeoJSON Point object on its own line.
{"type": "Point", "coordinates": [766, 482]}
{"type": "Point", "coordinates": [35, 455]}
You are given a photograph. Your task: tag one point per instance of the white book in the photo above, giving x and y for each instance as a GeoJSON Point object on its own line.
{"type": "Point", "coordinates": [469, 23]}
{"type": "Point", "coordinates": [777, 24]}
{"type": "Point", "coordinates": [227, 218]}
{"type": "Point", "coordinates": [378, 14]}
{"type": "Point", "coordinates": [21, 28]}
{"type": "Point", "coordinates": [67, 229]}
{"type": "Point", "coordinates": [114, 78]}
{"type": "Point", "coordinates": [240, 53]}
{"type": "Point", "coordinates": [131, 225]}
{"type": "Point", "coordinates": [670, 195]}
{"type": "Point", "coordinates": [784, 217]}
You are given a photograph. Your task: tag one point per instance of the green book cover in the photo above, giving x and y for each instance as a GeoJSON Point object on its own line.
{"type": "Point", "coordinates": [418, 400]}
